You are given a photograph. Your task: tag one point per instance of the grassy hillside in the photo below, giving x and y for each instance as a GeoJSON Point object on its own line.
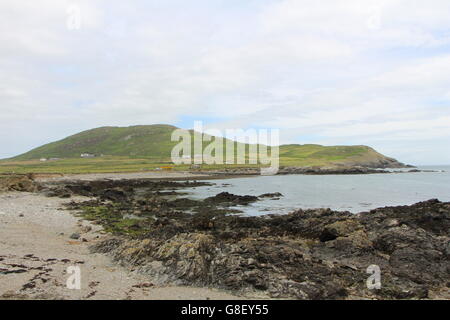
{"type": "Point", "coordinates": [140, 148]}
{"type": "Point", "coordinates": [308, 152]}
{"type": "Point", "coordinates": [314, 154]}
{"type": "Point", "coordinates": [137, 141]}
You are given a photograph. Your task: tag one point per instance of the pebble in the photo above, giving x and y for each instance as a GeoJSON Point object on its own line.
{"type": "Point", "coordinates": [75, 236]}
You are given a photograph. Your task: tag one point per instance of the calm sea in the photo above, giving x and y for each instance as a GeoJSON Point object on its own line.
{"type": "Point", "coordinates": [354, 193]}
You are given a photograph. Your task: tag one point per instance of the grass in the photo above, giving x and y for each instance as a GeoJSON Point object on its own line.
{"type": "Point", "coordinates": [112, 164]}
{"type": "Point", "coordinates": [145, 148]}
{"type": "Point", "coordinates": [136, 141]}
{"type": "Point", "coordinates": [107, 164]}
{"type": "Point", "coordinates": [317, 155]}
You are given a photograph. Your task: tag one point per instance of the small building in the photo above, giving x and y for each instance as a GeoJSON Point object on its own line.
{"type": "Point", "coordinates": [43, 159]}
{"type": "Point", "coordinates": [87, 155]}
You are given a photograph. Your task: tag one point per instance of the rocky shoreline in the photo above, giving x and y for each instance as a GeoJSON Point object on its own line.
{"type": "Point", "coordinates": [283, 170]}
{"type": "Point", "coordinates": [307, 254]}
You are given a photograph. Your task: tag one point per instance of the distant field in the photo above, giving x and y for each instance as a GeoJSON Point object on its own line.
{"type": "Point", "coordinates": [78, 165]}
{"type": "Point", "coordinates": [110, 164]}
{"type": "Point", "coordinates": [96, 165]}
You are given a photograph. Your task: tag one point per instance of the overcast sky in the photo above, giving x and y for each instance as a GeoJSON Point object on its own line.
{"type": "Point", "coordinates": [328, 72]}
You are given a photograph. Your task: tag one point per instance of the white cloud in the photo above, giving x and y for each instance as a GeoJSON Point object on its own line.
{"type": "Point", "coordinates": [347, 71]}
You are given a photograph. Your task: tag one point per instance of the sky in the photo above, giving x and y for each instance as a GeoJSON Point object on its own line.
{"type": "Point", "coordinates": [345, 72]}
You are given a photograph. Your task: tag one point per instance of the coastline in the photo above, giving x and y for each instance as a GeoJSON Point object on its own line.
{"type": "Point", "coordinates": [206, 175]}
{"type": "Point", "coordinates": [172, 257]}
{"type": "Point", "coordinates": [36, 248]}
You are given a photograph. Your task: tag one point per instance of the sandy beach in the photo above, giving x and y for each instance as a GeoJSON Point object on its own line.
{"type": "Point", "coordinates": [166, 175]}
{"type": "Point", "coordinates": [37, 247]}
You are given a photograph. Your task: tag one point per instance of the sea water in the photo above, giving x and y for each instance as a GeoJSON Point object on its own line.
{"type": "Point", "coordinates": [354, 193]}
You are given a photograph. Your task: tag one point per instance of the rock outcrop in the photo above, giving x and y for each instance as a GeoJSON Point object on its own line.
{"type": "Point", "coordinates": [307, 254]}
{"type": "Point", "coordinates": [18, 183]}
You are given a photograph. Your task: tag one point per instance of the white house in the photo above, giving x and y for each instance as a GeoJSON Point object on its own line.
{"type": "Point", "coordinates": [87, 155]}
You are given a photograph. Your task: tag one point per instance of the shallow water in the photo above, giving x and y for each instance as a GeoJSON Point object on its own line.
{"type": "Point", "coordinates": [354, 193]}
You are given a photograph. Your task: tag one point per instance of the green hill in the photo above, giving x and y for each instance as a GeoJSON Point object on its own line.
{"type": "Point", "coordinates": [153, 142]}
{"type": "Point", "coordinates": [314, 154]}
{"type": "Point", "coordinates": [137, 141]}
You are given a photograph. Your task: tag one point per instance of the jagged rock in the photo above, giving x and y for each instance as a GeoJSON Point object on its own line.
{"type": "Point", "coordinates": [339, 229]}
{"type": "Point", "coordinates": [307, 254]}
{"type": "Point", "coordinates": [235, 199]}
{"type": "Point", "coordinates": [114, 194]}
{"type": "Point", "coordinates": [60, 192]}
{"type": "Point", "coordinates": [24, 183]}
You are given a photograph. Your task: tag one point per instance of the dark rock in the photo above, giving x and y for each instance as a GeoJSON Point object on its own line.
{"type": "Point", "coordinates": [60, 192]}
{"type": "Point", "coordinates": [271, 195]}
{"type": "Point", "coordinates": [114, 195]}
{"type": "Point", "coordinates": [307, 254]}
{"type": "Point", "coordinates": [331, 170]}
{"type": "Point", "coordinates": [339, 229]}
{"type": "Point", "coordinates": [226, 197]}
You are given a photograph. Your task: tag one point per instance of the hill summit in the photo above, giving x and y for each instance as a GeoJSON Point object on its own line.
{"type": "Point", "coordinates": [146, 141]}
